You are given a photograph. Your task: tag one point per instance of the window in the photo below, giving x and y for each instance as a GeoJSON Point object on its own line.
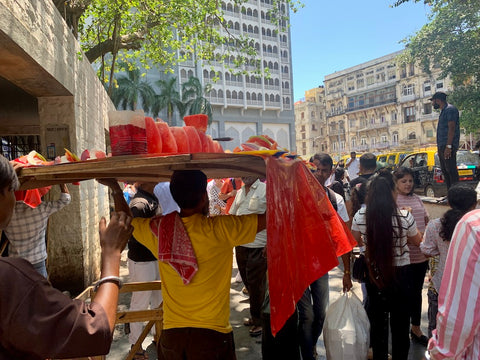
{"type": "Point", "coordinates": [412, 136]}
{"type": "Point", "coordinates": [409, 114]}
{"type": "Point", "coordinates": [302, 116]}
{"type": "Point", "coordinates": [439, 84]}
{"type": "Point", "coordinates": [370, 80]}
{"type": "Point", "coordinates": [427, 86]}
{"type": "Point", "coordinates": [393, 118]}
{"type": "Point", "coordinates": [360, 83]}
{"type": "Point", "coordinates": [408, 89]}
{"type": "Point", "coordinates": [314, 128]}
{"type": "Point", "coordinates": [391, 75]}
{"type": "Point", "coordinates": [395, 137]}
{"type": "Point", "coordinates": [384, 139]}
{"type": "Point", "coordinates": [351, 87]}
{"type": "Point", "coordinates": [351, 102]}
{"type": "Point", "coordinates": [429, 133]}
{"type": "Point", "coordinates": [303, 128]}
{"type": "Point", "coordinates": [354, 142]}
{"type": "Point", "coordinates": [363, 141]}
{"type": "Point", "coordinates": [411, 69]}
{"type": "Point", "coordinates": [303, 136]}
{"type": "Point", "coordinates": [427, 108]}
{"type": "Point", "coordinates": [352, 123]}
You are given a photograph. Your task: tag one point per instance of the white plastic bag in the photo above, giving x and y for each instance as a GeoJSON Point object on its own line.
{"type": "Point", "coordinates": [346, 330]}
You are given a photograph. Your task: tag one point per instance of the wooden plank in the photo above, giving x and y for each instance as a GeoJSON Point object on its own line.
{"type": "Point", "coordinates": [139, 316]}
{"type": "Point", "coordinates": [143, 168]}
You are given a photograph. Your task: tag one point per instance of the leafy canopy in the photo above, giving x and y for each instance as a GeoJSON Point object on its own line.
{"type": "Point", "coordinates": [451, 42]}
{"type": "Point", "coordinates": [151, 32]}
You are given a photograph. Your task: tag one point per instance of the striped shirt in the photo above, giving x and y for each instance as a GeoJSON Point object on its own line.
{"type": "Point", "coordinates": [419, 214]}
{"type": "Point", "coordinates": [458, 321]}
{"type": "Point", "coordinates": [433, 245]}
{"type": "Point", "coordinates": [401, 254]}
{"type": "Point", "coordinates": [26, 230]}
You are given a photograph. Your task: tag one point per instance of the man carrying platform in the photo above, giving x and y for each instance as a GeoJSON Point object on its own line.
{"type": "Point", "coordinates": [195, 253]}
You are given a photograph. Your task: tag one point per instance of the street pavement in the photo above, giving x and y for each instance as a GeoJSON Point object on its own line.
{"type": "Point", "coordinates": [247, 347]}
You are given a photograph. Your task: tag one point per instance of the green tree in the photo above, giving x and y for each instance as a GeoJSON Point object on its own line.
{"type": "Point", "coordinates": [168, 98]}
{"type": "Point", "coordinates": [130, 89]}
{"type": "Point", "coordinates": [153, 31]}
{"type": "Point", "coordinates": [194, 100]}
{"type": "Point", "coordinates": [451, 42]}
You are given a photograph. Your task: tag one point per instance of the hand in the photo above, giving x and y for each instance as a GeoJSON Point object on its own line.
{"type": "Point", "coordinates": [447, 153]}
{"type": "Point", "coordinates": [347, 282]}
{"type": "Point", "coordinates": [408, 208]}
{"type": "Point", "coordinates": [233, 193]}
{"type": "Point", "coordinates": [17, 166]}
{"type": "Point", "coordinates": [114, 237]}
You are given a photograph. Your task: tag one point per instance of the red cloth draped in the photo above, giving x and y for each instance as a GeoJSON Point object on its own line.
{"type": "Point", "coordinates": [174, 245]}
{"type": "Point", "coordinates": [305, 235]}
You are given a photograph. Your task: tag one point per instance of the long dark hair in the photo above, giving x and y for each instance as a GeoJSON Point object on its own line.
{"type": "Point", "coordinates": [358, 195]}
{"type": "Point", "coordinates": [381, 212]}
{"type": "Point", "coordinates": [461, 199]}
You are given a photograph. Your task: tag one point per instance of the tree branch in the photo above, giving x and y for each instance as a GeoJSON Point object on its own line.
{"type": "Point", "coordinates": [128, 42]}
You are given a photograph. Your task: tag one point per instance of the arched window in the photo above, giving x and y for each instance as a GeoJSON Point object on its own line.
{"type": "Point", "coordinates": [255, 30]}
{"type": "Point", "coordinates": [249, 12]}
{"type": "Point", "coordinates": [272, 97]}
{"type": "Point", "coordinates": [227, 76]}
{"type": "Point", "coordinates": [250, 29]}
{"type": "Point", "coordinates": [183, 73]}
{"type": "Point", "coordinates": [244, 27]}
{"type": "Point", "coordinates": [237, 26]}
{"type": "Point", "coordinates": [259, 97]}
{"type": "Point", "coordinates": [248, 95]}
{"type": "Point", "coordinates": [229, 94]}
{"type": "Point", "coordinates": [275, 66]}
{"type": "Point", "coordinates": [212, 74]}
{"type": "Point", "coordinates": [240, 95]}
{"type": "Point", "coordinates": [254, 96]}
{"type": "Point", "coordinates": [213, 93]}
{"type": "Point", "coordinates": [277, 82]}
{"type": "Point", "coordinates": [190, 73]}
{"type": "Point", "coordinates": [224, 6]}
{"type": "Point", "coordinates": [220, 94]}
{"type": "Point", "coordinates": [234, 94]}
{"type": "Point", "coordinates": [255, 13]}
{"type": "Point", "coordinates": [275, 50]}
{"type": "Point", "coordinates": [287, 86]}
{"type": "Point", "coordinates": [229, 7]}
{"type": "Point", "coordinates": [287, 101]}
{"type": "Point", "coordinates": [269, 32]}
{"type": "Point", "coordinates": [263, 29]}
{"type": "Point", "coordinates": [277, 98]}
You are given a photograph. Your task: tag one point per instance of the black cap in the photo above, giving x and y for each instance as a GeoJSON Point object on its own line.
{"type": "Point", "coordinates": [439, 95]}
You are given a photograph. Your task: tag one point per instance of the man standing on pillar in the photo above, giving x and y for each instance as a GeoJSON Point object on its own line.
{"type": "Point", "coordinates": [448, 137]}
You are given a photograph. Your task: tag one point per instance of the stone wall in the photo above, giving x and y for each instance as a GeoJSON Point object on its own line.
{"type": "Point", "coordinates": [46, 63]}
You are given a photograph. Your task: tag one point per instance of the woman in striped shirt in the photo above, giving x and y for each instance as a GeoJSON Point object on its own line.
{"type": "Point", "coordinates": [386, 230]}
{"type": "Point", "coordinates": [406, 199]}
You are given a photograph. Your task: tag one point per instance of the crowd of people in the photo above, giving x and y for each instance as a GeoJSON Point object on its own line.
{"type": "Point", "coordinates": [176, 233]}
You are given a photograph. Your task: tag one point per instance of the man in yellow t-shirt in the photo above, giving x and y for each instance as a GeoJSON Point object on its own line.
{"type": "Point", "coordinates": [196, 315]}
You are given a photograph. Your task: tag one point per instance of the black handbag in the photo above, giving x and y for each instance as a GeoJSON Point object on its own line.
{"type": "Point", "coordinates": [360, 270]}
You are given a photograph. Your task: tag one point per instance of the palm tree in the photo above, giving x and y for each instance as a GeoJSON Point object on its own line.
{"type": "Point", "coordinates": [130, 89]}
{"type": "Point", "coordinates": [193, 96]}
{"type": "Point", "coordinates": [169, 98]}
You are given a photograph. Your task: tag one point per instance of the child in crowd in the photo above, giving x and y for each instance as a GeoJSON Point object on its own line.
{"type": "Point", "coordinates": [406, 199]}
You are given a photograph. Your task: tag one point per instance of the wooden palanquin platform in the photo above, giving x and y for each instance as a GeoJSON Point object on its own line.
{"type": "Point", "coordinates": [143, 168]}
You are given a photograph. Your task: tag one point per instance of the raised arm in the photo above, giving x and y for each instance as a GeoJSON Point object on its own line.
{"type": "Point", "coordinates": [117, 193]}
{"type": "Point", "coordinates": [113, 239]}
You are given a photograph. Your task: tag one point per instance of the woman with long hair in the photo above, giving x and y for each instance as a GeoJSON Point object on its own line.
{"type": "Point", "coordinates": [436, 241]}
{"type": "Point", "coordinates": [386, 230]}
{"type": "Point", "coordinates": [406, 199]}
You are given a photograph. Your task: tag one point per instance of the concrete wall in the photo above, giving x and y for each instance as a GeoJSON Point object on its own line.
{"type": "Point", "coordinates": [45, 62]}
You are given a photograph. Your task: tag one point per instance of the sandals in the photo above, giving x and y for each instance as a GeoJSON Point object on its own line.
{"type": "Point", "coordinates": [255, 331]}
{"type": "Point", "coordinates": [140, 355]}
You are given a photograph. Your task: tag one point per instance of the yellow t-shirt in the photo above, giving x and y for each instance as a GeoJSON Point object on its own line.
{"type": "Point", "coordinates": [205, 302]}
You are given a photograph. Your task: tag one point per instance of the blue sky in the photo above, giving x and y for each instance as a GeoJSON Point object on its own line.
{"type": "Point", "coordinates": [332, 35]}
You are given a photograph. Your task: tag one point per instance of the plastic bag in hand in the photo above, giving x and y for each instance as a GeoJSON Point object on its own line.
{"type": "Point", "coordinates": [346, 330]}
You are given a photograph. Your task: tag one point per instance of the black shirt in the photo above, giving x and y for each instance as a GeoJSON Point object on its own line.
{"type": "Point", "coordinates": [142, 205]}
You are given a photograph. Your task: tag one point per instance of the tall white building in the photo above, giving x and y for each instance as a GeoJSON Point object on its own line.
{"type": "Point", "coordinates": [246, 105]}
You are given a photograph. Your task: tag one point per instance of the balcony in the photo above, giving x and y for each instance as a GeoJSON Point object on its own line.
{"type": "Point", "coordinates": [214, 100]}
{"type": "Point", "coordinates": [235, 101]}
{"type": "Point", "coordinates": [360, 148]}
{"type": "Point", "coordinates": [249, 18]}
{"type": "Point", "coordinates": [284, 44]}
{"type": "Point", "coordinates": [233, 83]}
{"type": "Point", "coordinates": [428, 117]}
{"type": "Point", "coordinates": [269, 38]}
{"type": "Point", "coordinates": [258, 103]}
{"type": "Point", "coordinates": [336, 132]}
{"type": "Point", "coordinates": [335, 112]}
{"type": "Point", "coordinates": [366, 106]}
{"type": "Point", "coordinates": [272, 87]}
{"type": "Point", "coordinates": [287, 91]}
{"type": "Point", "coordinates": [274, 104]}
{"type": "Point", "coordinates": [287, 107]}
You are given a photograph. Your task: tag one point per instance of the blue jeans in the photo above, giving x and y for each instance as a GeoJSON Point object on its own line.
{"type": "Point", "coordinates": [311, 315]}
{"type": "Point", "coordinates": [41, 268]}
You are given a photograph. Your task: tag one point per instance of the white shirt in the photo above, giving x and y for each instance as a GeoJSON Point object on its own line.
{"type": "Point", "coordinates": [165, 199]}
{"type": "Point", "coordinates": [254, 202]}
{"type": "Point", "coordinates": [341, 208]}
{"type": "Point", "coordinates": [353, 168]}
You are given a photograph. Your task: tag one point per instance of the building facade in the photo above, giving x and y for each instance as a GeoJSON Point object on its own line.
{"type": "Point", "coordinates": [246, 105]}
{"type": "Point", "coordinates": [381, 105]}
{"type": "Point", "coordinates": [310, 123]}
